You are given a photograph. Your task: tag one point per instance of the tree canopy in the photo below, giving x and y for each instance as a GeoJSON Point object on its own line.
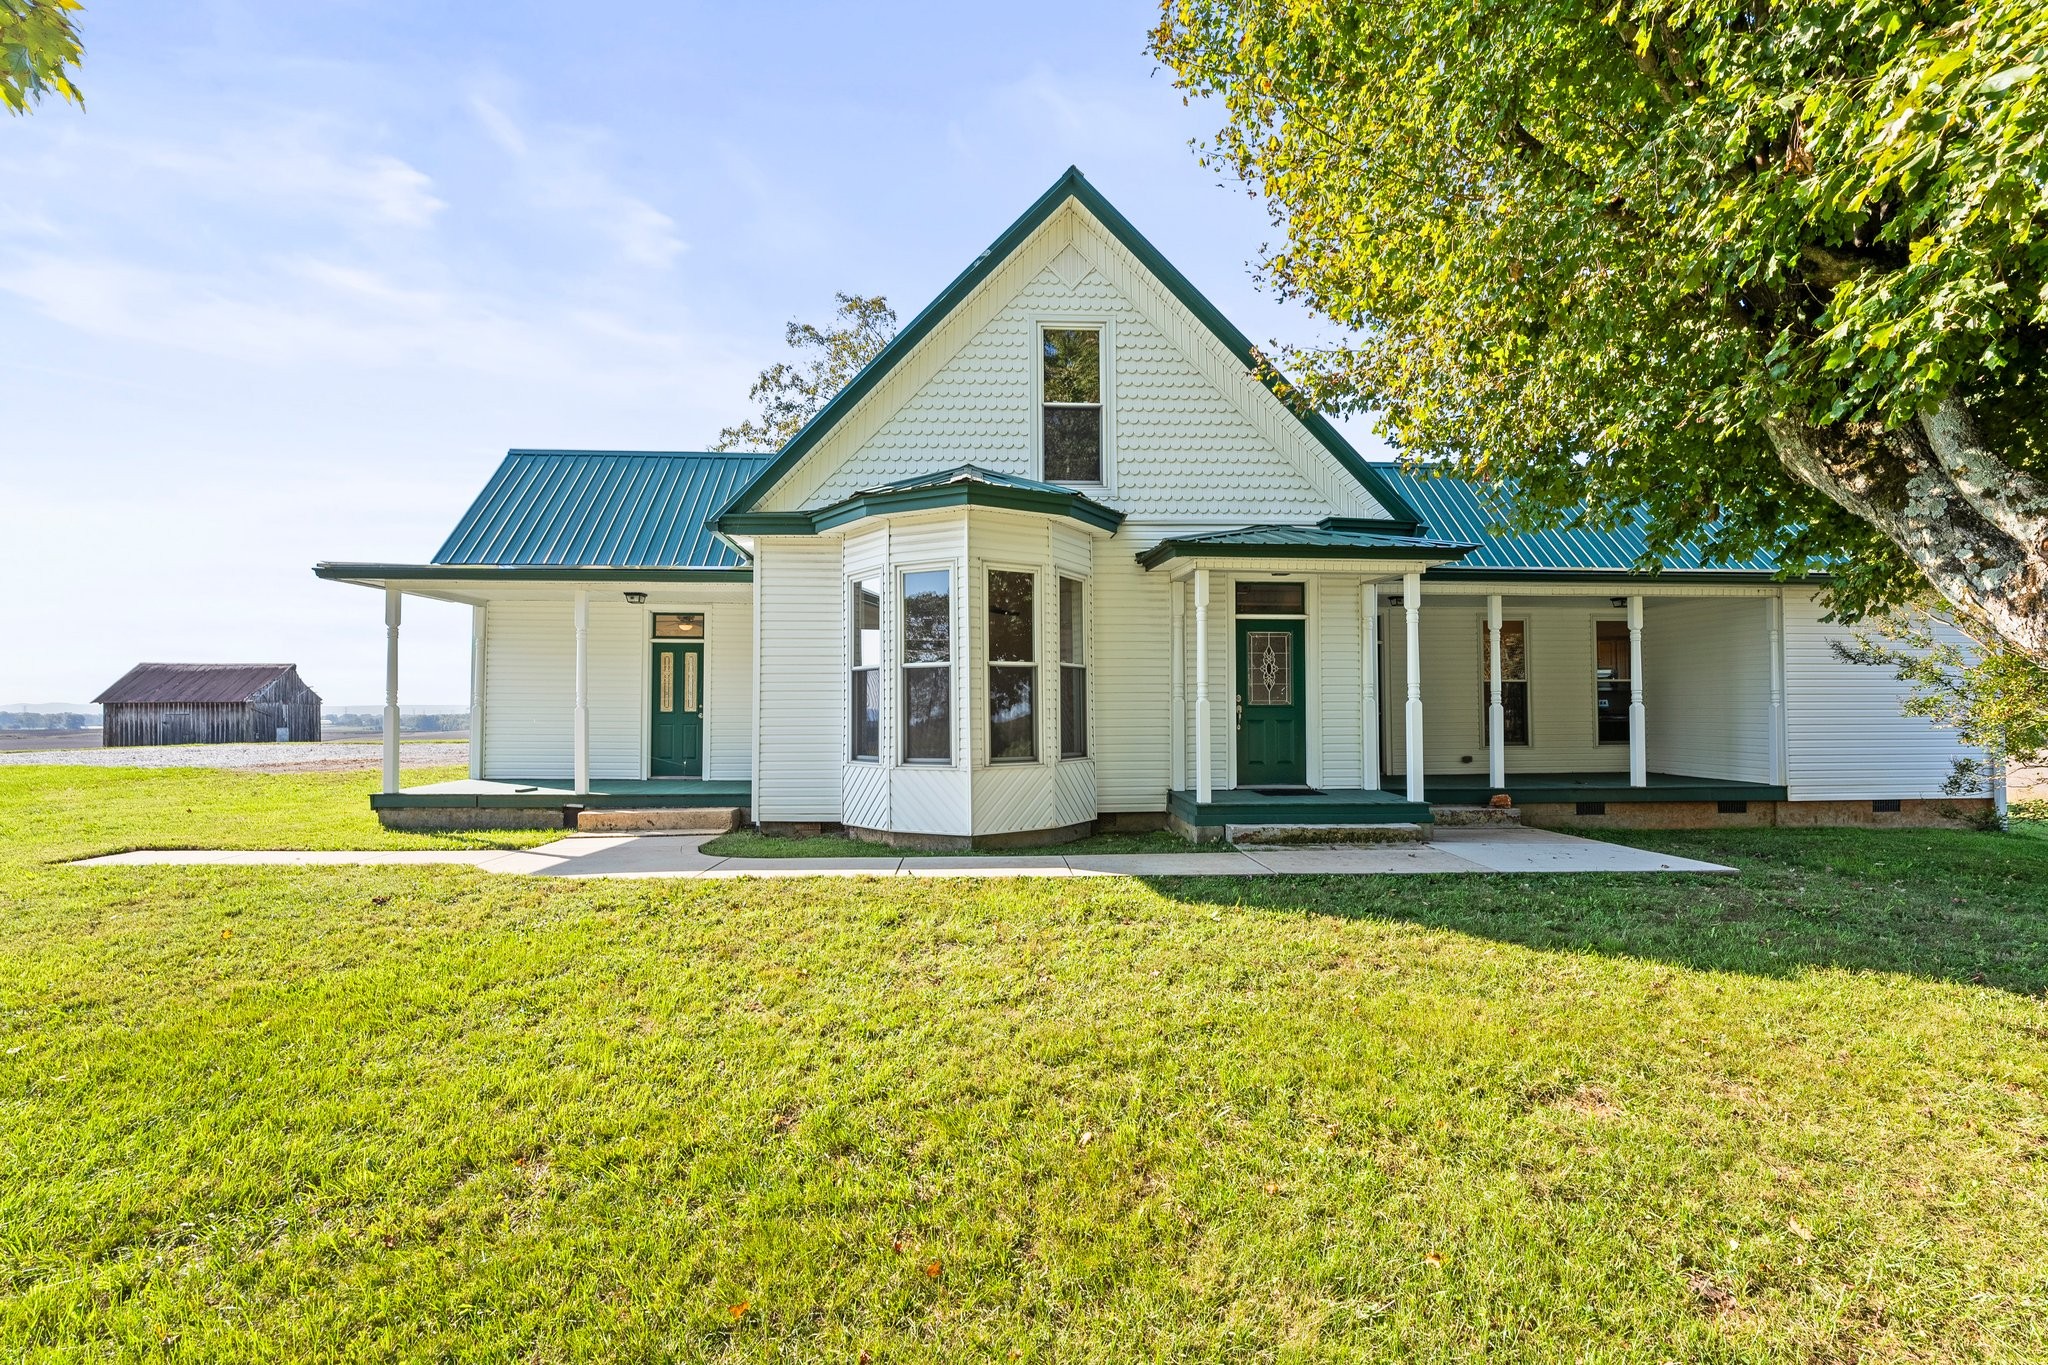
{"type": "Point", "coordinates": [791, 394]}
{"type": "Point", "coordinates": [1773, 273]}
{"type": "Point", "coordinates": [39, 49]}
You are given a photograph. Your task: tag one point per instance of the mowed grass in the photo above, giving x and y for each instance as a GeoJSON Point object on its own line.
{"type": "Point", "coordinates": [423, 1113]}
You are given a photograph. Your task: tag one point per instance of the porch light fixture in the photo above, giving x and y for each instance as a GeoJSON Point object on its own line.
{"type": "Point", "coordinates": [636, 598]}
{"type": "Point", "coordinates": [1617, 601]}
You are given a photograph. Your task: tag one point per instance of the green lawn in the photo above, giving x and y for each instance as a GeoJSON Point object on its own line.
{"type": "Point", "coordinates": [427, 1113]}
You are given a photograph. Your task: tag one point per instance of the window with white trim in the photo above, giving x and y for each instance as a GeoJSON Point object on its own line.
{"type": "Point", "coordinates": [1073, 671]}
{"type": "Point", "coordinates": [927, 668]}
{"type": "Point", "coordinates": [1514, 681]}
{"type": "Point", "coordinates": [864, 647]}
{"type": "Point", "coordinates": [1070, 397]}
{"type": "Point", "coordinates": [1012, 667]}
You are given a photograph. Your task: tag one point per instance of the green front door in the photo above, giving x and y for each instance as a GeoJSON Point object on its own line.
{"type": "Point", "coordinates": [677, 734]}
{"type": "Point", "coordinates": [1272, 716]}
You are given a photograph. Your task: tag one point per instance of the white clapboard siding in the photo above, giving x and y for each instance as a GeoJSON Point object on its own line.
{"type": "Point", "coordinates": [618, 706]}
{"type": "Point", "coordinates": [1707, 687]}
{"type": "Point", "coordinates": [530, 685]}
{"type": "Point", "coordinates": [729, 688]}
{"type": "Point", "coordinates": [1563, 736]}
{"type": "Point", "coordinates": [1845, 737]}
{"type": "Point", "coordinates": [1335, 626]}
{"type": "Point", "coordinates": [1130, 682]}
{"type": "Point", "coordinates": [802, 738]}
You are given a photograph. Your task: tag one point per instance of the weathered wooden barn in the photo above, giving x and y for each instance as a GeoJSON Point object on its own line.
{"type": "Point", "coordinates": [209, 704]}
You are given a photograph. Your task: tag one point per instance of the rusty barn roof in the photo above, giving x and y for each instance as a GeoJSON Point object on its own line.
{"type": "Point", "coordinates": [193, 682]}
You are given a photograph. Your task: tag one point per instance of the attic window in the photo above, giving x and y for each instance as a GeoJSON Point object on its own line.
{"type": "Point", "coordinates": [1071, 394]}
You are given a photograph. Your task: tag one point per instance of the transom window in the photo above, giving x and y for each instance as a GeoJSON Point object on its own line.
{"type": "Point", "coordinates": [1611, 680]}
{"type": "Point", "coordinates": [1270, 599]}
{"type": "Point", "coordinates": [928, 666]}
{"type": "Point", "coordinates": [1071, 394]}
{"type": "Point", "coordinates": [864, 645]}
{"type": "Point", "coordinates": [1514, 682]}
{"type": "Point", "coordinates": [679, 625]}
{"type": "Point", "coordinates": [1012, 667]}
{"type": "Point", "coordinates": [1073, 672]}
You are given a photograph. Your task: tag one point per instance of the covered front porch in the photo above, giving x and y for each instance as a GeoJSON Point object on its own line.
{"type": "Point", "coordinates": [555, 793]}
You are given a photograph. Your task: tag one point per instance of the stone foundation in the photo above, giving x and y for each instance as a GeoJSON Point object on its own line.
{"type": "Point", "coordinates": [1942, 813]}
{"type": "Point", "coordinates": [961, 843]}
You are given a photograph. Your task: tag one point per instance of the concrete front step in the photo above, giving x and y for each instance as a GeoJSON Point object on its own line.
{"type": "Point", "coordinates": [1508, 816]}
{"type": "Point", "coordinates": [660, 819]}
{"type": "Point", "coordinates": [1324, 836]}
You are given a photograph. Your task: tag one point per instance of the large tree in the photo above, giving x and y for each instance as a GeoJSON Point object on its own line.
{"type": "Point", "coordinates": [1773, 272]}
{"type": "Point", "coordinates": [39, 49]}
{"type": "Point", "coordinates": [790, 395]}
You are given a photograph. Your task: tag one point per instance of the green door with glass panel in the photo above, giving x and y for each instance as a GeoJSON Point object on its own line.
{"type": "Point", "coordinates": [677, 734]}
{"type": "Point", "coordinates": [1272, 716]}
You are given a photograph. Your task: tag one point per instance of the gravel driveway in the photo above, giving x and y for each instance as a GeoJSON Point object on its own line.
{"type": "Point", "coordinates": [269, 758]}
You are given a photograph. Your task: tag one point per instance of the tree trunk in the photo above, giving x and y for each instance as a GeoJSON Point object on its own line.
{"type": "Point", "coordinates": [1976, 527]}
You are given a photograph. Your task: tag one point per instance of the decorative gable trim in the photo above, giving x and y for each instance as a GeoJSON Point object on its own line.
{"type": "Point", "coordinates": [1243, 389]}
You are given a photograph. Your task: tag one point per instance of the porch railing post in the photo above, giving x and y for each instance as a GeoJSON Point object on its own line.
{"type": "Point", "coordinates": [1638, 740]}
{"type": "Point", "coordinates": [1369, 672]}
{"type": "Point", "coordinates": [1496, 708]}
{"type": "Point", "coordinates": [392, 599]}
{"type": "Point", "coordinates": [582, 691]}
{"type": "Point", "coordinates": [1411, 605]}
{"type": "Point", "coordinates": [1178, 729]}
{"type": "Point", "coordinates": [1204, 785]}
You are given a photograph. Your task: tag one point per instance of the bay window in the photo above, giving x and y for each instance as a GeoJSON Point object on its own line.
{"type": "Point", "coordinates": [1073, 672]}
{"type": "Point", "coordinates": [864, 644]}
{"type": "Point", "coordinates": [1012, 667]}
{"type": "Point", "coordinates": [927, 667]}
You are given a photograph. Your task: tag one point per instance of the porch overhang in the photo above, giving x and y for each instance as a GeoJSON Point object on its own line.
{"type": "Point", "coordinates": [961, 486]}
{"type": "Point", "coordinates": [1391, 545]}
{"type": "Point", "coordinates": [466, 582]}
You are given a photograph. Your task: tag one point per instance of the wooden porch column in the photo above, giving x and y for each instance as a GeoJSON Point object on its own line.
{"type": "Point", "coordinates": [1369, 674]}
{"type": "Point", "coordinates": [392, 598]}
{"type": "Point", "coordinates": [478, 624]}
{"type": "Point", "coordinates": [1204, 782]}
{"type": "Point", "coordinates": [1496, 710]}
{"type": "Point", "coordinates": [1411, 604]}
{"type": "Point", "coordinates": [1774, 622]}
{"type": "Point", "coordinates": [1179, 726]}
{"type": "Point", "coordinates": [1638, 749]}
{"type": "Point", "coordinates": [582, 691]}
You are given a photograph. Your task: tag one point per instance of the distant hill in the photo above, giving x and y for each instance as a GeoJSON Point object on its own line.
{"type": "Point", "coordinates": [453, 708]}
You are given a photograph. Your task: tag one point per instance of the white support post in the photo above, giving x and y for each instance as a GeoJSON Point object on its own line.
{"type": "Point", "coordinates": [1496, 709]}
{"type": "Point", "coordinates": [1204, 781]}
{"type": "Point", "coordinates": [582, 691]}
{"type": "Point", "coordinates": [1411, 604]}
{"type": "Point", "coordinates": [478, 624]}
{"type": "Point", "coordinates": [1179, 726]}
{"type": "Point", "coordinates": [1774, 619]}
{"type": "Point", "coordinates": [1638, 747]}
{"type": "Point", "coordinates": [392, 598]}
{"type": "Point", "coordinates": [1369, 674]}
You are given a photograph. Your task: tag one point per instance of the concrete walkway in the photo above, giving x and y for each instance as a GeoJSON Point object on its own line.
{"type": "Point", "coordinates": [647, 855]}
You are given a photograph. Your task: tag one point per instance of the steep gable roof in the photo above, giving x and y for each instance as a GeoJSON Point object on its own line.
{"type": "Point", "coordinates": [602, 508]}
{"type": "Point", "coordinates": [193, 682]}
{"type": "Point", "coordinates": [1075, 187]}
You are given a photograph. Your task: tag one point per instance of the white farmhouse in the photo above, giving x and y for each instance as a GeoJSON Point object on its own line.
{"type": "Point", "coordinates": [1059, 560]}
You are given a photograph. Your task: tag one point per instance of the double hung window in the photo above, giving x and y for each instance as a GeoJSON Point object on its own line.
{"type": "Point", "coordinates": [1073, 672]}
{"type": "Point", "coordinates": [1071, 398]}
{"type": "Point", "coordinates": [927, 667]}
{"type": "Point", "coordinates": [864, 644]}
{"type": "Point", "coordinates": [1514, 682]}
{"type": "Point", "coordinates": [1012, 667]}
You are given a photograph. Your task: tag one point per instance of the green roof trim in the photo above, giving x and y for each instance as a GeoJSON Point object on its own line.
{"type": "Point", "coordinates": [962, 486]}
{"type": "Point", "coordinates": [1072, 185]}
{"type": "Point", "coordinates": [525, 573]}
{"type": "Point", "coordinates": [1333, 538]}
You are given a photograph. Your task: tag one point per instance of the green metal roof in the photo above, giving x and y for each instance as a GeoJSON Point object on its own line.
{"type": "Point", "coordinates": [1331, 539]}
{"type": "Point", "coordinates": [1480, 515]}
{"type": "Point", "coordinates": [609, 508]}
{"type": "Point", "coordinates": [964, 485]}
{"type": "Point", "coordinates": [1072, 185]}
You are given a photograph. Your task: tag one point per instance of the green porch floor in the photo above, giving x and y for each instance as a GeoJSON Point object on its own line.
{"type": "Point", "coordinates": [546, 792]}
{"type": "Point", "coordinates": [1326, 806]}
{"type": "Point", "coordinates": [1472, 789]}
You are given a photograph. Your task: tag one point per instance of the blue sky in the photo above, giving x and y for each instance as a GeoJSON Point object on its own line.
{"type": "Point", "coordinates": [301, 273]}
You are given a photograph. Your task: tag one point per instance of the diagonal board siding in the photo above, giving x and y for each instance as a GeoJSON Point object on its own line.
{"type": "Point", "coordinates": [1845, 737]}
